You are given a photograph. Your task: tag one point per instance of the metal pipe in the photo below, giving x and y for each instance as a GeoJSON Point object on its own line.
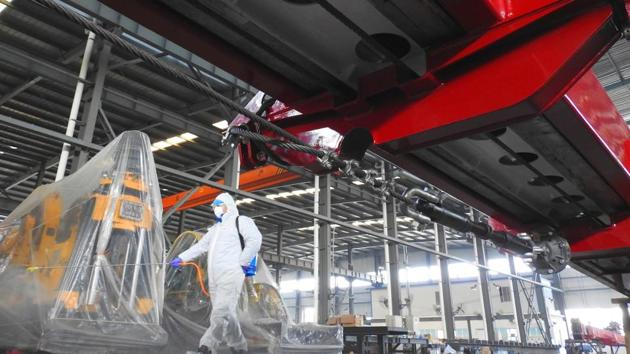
{"type": "Point", "coordinates": [136, 267]}
{"type": "Point", "coordinates": [124, 274]}
{"type": "Point", "coordinates": [316, 245]}
{"type": "Point", "coordinates": [451, 219]}
{"type": "Point", "coordinates": [388, 275]}
{"type": "Point", "coordinates": [76, 103]}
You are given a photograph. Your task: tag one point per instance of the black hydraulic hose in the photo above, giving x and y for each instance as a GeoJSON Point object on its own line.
{"type": "Point", "coordinates": [509, 242]}
{"type": "Point", "coordinates": [462, 223]}
{"type": "Point", "coordinates": [451, 219]}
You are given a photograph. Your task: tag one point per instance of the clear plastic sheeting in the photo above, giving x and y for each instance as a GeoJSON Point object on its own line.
{"type": "Point", "coordinates": [263, 316]}
{"type": "Point", "coordinates": [82, 259]}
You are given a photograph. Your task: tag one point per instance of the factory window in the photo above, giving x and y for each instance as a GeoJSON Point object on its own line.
{"type": "Point", "coordinates": [308, 314]}
{"type": "Point", "coordinates": [504, 294]}
{"type": "Point", "coordinates": [461, 333]}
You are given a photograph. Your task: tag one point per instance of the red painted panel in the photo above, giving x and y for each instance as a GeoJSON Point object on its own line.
{"type": "Point", "coordinates": [515, 84]}
{"type": "Point", "coordinates": [616, 236]}
{"type": "Point", "coordinates": [603, 120]}
{"type": "Point", "coordinates": [473, 14]}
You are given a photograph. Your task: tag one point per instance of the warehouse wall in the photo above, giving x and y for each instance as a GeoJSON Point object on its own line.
{"type": "Point", "coordinates": [585, 299]}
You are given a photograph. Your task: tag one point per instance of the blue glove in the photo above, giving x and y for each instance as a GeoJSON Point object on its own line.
{"type": "Point", "coordinates": [176, 262]}
{"type": "Point", "coordinates": [250, 269]}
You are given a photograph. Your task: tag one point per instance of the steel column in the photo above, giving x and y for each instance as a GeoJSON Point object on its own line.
{"type": "Point", "coordinates": [41, 174]}
{"type": "Point", "coordinates": [298, 300]}
{"type": "Point", "coordinates": [542, 309]}
{"type": "Point", "coordinates": [279, 253]}
{"type": "Point", "coordinates": [182, 222]}
{"type": "Point", "coordinates": [232, 170]}
{"type": "Point", "coordinates": [90, 115]}
{"type": "Point", "coordinates": [626, 323]}
{"type": "Point", "coordinates": [446, 303]}
{"type": "Point", "coordinates": [391, 229]}
{"type": "Point", "coordinates": [623, 306]}
{"type": "Point", "coordinates": [324, 256]}
{"type": "Point", "coordinates": [516, 303]}
{"type": "Point", "coordinates": [484, 291]}
{"type": "Point", "coordinates": [350, 280]}
{"type": "Point", "coordinates": [559, 301]}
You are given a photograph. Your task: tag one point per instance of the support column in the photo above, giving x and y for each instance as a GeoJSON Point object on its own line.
{"type": "Point", "coordinates": [626, 323]}
{"type": "Point", "coordinates": [542, 309]}
{"type": "Point", "coordinates": [350, 280]}
{"type": "Point", "coordinates": [484, 291]}
{"type": "Point", "coordinates": [41, 174]}
{"type": "Point", "coordinates": [324, 260]}
{"type": "Point", "coordinates": [298, 300]}
{"type": "Point", "coordinates": [90, 115]}
{"type": "Point", "coordinates": [446, 303]}
{"type": "Point", "coordinates": [279, 253]}
{"type": "Point", "coordinates": [232, 170]}
{"type": "Point", "coordinates": [623, 306]}
{"type": "Point", "coordinates": [391, 225]}
{"type": "Point", "coordinates": [338, 300]}
{"type": "Point", "coordinates": [516, 303]}
{"type": "Point", "coordinates": [182, 222]}
{"type": "Point", "coordinates": [559, 301]}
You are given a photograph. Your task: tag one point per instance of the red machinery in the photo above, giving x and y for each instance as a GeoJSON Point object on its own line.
{"type": "Point", "coordinates": [490, 100]}
{"type": "Point", "coordinates": [589, 333]}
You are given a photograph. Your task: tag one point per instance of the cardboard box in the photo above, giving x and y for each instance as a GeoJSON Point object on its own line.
{"type": "Point", "coordinates": [351, 320]}
{"type": "Point", "coordinates": [394, 321]}
{"type": "Point", "coordinates": [332, 321]}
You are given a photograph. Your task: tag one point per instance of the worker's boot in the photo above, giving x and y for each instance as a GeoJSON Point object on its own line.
{"type": "Point", "coordinates": [203, 350]}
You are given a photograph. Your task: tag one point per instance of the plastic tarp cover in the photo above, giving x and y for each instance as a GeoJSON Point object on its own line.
{"type": "Point", "coordinates": [263, 315]}
{"type": "Point", "coordinates": [82, 259]}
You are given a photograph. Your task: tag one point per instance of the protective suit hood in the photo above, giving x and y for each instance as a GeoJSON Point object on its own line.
{"type": "Point", "coordinates": [232, 209]}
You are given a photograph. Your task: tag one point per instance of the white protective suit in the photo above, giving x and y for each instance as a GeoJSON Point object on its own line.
{"type": "Point", "coordinates": [225, 275]}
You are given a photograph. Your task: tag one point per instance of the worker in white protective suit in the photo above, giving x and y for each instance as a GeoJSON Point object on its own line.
{"type": "Point", "coordinates": [226, 264]}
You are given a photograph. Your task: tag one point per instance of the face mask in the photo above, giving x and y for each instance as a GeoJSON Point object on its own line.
{"type": "Point", "coordinates": [218, 211]}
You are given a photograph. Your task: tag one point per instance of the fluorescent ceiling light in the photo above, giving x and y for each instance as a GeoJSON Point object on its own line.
{"type": "Point", "coordinates": [188, 136]}
{"type": "Point", "coordinates": [3, 6]}
{"type": "Point", "coordinates": [161, 145]}
{"type": "Point", "coordinates": [358, 183]}
{"type": "Point", "coordinates": [12, 147]}
{"type": "Point", "coordinates": [175, 140]}
{"type": "Point", "coordinates": [221, 125]}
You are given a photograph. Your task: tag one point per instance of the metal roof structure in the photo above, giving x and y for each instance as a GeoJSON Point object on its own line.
{"type": "Point", "coordinates": [40, 54]}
